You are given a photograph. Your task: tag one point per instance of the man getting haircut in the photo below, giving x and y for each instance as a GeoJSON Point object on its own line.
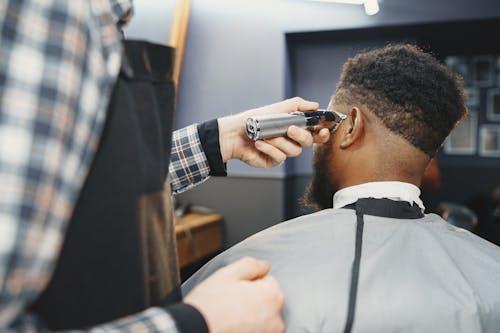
{"type": "Point", "coordinates": [370, 260]}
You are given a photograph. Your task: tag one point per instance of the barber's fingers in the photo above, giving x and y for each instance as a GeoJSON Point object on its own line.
{"type": "Point", "coordinates": [270, 152]}
{"type": "Point", "coordinates": [305, 138]}
{"type": "Point", "coordinates": [304, 105]}
{"type": "Point", "coordinates": [277, 150]}
{"type": "Point", "coordinates": [322, 136]}
{"type": "Point", "coordinates": [301, 136]}
{"type": "Point", "coordinates": [307, 106]}
{"type": "Point", "coordinates": [248, 268]}
{"type": "Point", "coordinates": [289, 147]}
{"type": "Point", "coordinates": [273, 289]}
{"type": "Point", "coordinates": [295, 104]}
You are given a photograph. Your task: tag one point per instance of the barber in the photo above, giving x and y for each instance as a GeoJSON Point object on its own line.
{"type": "Point", "coordinates": [84, 151]}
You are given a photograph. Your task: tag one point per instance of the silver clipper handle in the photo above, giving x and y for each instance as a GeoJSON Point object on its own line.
{"type": "Point", "coordinates": [263, 127]}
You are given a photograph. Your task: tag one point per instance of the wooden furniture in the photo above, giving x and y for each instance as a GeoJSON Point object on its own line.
{"type": "Point", "coordinates": [178, 34]}
{"type": "Point", "coordinates": [198, 236]}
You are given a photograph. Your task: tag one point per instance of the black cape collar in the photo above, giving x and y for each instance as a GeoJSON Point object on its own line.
{"type": "Point", "coordinates": [386, 208]}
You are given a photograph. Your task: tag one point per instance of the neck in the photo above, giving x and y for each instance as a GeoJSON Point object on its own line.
{"type": "Point", "coordinates": [362, 179]}
{"type": "Point", "coordinates": [368, 166]}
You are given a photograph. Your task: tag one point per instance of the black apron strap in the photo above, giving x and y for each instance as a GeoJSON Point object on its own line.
{"type": "Point", "coordinates": [375, 207]}
{"type": "Point", "coordinates": [119, 254]}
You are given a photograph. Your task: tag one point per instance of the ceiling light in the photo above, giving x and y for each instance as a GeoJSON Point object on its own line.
{"type": "Point", "coordinates": [371, 6]}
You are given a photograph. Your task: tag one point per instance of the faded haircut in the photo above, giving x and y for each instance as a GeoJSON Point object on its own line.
{"type": "Point", "coordinates": [413, 94]}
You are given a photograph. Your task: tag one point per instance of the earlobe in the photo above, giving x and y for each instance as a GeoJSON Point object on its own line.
{"type": "Point", "coordinates": [354, 126]}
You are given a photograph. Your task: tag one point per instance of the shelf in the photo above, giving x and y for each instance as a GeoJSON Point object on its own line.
{"type": "Point", "coordinates": [198, 236]}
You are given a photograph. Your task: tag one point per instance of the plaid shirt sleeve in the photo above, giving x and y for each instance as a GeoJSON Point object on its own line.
{"type": "Point", "coordinates": [188, 162]}
{"type": "Point", "coordinates": [58, 62]}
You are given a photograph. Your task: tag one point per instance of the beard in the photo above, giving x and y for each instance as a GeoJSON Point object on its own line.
{"type": "Point", "coordinates": [319, 192]}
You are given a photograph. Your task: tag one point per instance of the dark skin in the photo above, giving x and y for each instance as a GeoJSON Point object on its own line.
{"type": "Point", "coordinates": [363, 150]}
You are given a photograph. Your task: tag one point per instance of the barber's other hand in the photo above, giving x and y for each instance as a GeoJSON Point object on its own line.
{"type": "Point", "coordinates": [234, 142]}
{"type": "Point", "coordinates": [240, 298]}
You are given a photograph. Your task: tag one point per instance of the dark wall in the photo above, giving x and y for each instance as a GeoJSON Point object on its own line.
{"type": "Point", "coordinates": [465, 185]}
{"type": "Point", "coordinates": [248, 204]}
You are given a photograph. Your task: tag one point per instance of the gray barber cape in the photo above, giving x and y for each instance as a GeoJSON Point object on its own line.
{"type": "Point", "coordinates": [419, 275]}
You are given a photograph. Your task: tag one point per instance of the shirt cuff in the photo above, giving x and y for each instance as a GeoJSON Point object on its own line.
{"type": "Point", "coordinates": [188, 162]}
{"type": "Point", "coordinates": [187, 318]}
{"type": "Point", "coordinates": [209, 138]}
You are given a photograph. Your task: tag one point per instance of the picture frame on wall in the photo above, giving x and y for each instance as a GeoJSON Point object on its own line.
{"type": "Point", "coordinates": [489, 141]}
{"type": "Point", "coordinates": [462, 140]}
{"type": "Point", "coordinates": [459, 65]}
{"type": "Point", "coordinates": [493, 104]}
{"type": "Point", "coordinates": [498, 71]}
{"type": "Point", "coordinates": [483, 70]}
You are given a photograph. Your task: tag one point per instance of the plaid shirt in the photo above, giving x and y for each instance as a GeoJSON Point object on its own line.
{"type": "Point", "coordinates": [59, 60]}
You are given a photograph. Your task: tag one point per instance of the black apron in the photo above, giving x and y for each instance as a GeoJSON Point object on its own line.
{"type": "Point", "coordinates": [375, 207]}
{"type": "Point", "coordinates": [119, 254]}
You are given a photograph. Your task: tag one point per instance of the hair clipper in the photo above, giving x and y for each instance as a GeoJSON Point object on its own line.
{"type": "Point", "coordinates": [270, 126]}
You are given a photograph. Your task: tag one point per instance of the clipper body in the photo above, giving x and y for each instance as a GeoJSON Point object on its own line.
{"type": "Point", "coordinates": [270, 126]}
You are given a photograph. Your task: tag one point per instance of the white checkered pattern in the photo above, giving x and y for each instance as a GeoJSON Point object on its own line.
{"type": "Point", "coordinates": [59, 60]}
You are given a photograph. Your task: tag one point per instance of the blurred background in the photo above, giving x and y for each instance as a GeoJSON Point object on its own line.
{"type": "Point", "coordinates": [241, 54]}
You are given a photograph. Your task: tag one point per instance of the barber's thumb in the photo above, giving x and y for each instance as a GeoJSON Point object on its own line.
{"type": "Point", "coordinates": [249, 268]}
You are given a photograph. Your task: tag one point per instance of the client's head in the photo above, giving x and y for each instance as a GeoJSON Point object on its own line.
{"type": "Point", "coordinates": [401, 104]}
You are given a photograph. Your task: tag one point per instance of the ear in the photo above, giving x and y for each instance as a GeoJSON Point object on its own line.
{"type": "Point", "coordinates": [353, 129]}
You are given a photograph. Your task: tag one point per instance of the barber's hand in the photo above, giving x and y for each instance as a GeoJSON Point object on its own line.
{"type": "Point", "coordinates": [240, 298]}
{"type": "Point", "coordinates": [234, 142]}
